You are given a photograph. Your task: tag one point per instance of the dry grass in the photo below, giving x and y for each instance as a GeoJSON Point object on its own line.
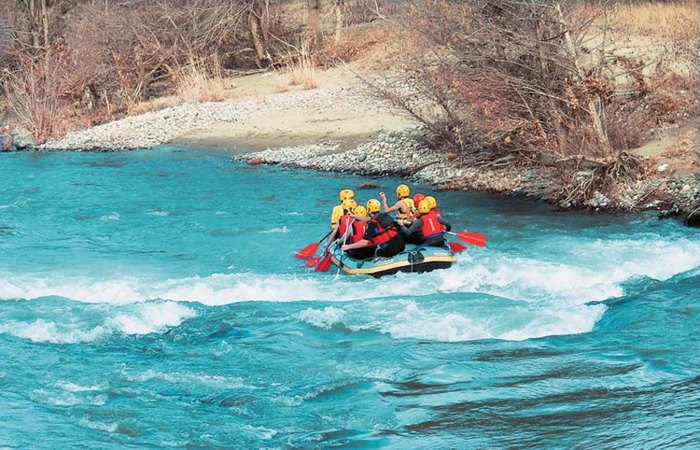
{"type": "Point", "coordinates": [155, 104]}
{"type": "Point", "coordinates": [201, 82]}
{"type": "Point", "coordinates": [279, 83]}
{"type": "Point", "coordinates": [672, 20]}
{"type": "Point", "coordinates": [302, 69]}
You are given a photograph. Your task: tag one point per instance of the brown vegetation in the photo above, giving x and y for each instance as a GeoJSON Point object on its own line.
{"type": "Point", "coordinates": [73, 63]}
{"type": "Point", "coordinates": [537, 82]}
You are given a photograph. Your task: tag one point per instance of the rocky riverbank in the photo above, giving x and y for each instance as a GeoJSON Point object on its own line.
{"type": "Point", "coordinates": [159, 127]}
{"type": "Point", "coordinates": [339, 129]}
{"type": "Point", "coordinates": [402, 154]}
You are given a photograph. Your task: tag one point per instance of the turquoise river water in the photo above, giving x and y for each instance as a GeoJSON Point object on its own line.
{"type": "Point", "coordinates": [151, 299]}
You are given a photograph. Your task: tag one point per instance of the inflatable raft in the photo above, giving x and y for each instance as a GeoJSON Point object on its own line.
{"type": "Point", "coordinates": [412, 259]}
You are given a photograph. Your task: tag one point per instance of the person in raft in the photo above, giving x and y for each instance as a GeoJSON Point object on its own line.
{"type": "Point", "coordinates": [343, 232]}
{"type": "Point", "coordinates": [359, 227]}
{"type": "Point", "coordinates": [337, 212]}
{"type": "Point", "coordinates": [404, 205]}
{"type": "Point", "coordinates": [417, 199]}
{"type": "Point", "coordinates": [405, 208]}
{"type": "Point", "coordinates": [381, 234]}
{"type": "Point", "coordinates": [429, 224]}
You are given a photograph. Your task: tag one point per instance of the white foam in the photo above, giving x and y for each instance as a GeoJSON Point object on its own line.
{"type": "Point", "coordinates": [64, 398]}
{"type": "Point", "coordinates": [406, 319]}
{"type": "Point", "coordinates": [152, 317]}
{"type": "Point", "coordinates": [21, 203]}
{"type": "Point", "coordinates": [158, 213]}
{"type": "Point", "coordinates": [216, 381]}
{"type": "Point", "coordinates": [282, 229]}
{"type": "Point", "coordinates": [322, 318]}
{"type": "Point", "coordinates": [449, 327]}
{"type": "Point", "coordinates": [100, 426]}
{"type": "Point", "coordinates": [145, 318]}
{"type": "Point", "coordinates": [555, 290]}
{"type": "Point", "coordinates": [260, 432]}
{"type": "Point", "coordinates": [489, 272]}
{"type": "Point", "coordinates": [43, 331]}
{"type": "Point", "coordinates": [72, 387]}
{"type": "Point", "coordinates": [110, 217]}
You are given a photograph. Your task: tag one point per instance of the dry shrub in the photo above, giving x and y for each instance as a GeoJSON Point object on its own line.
{"type": "Point", "coordinates": [155, 104]}
{"type": "Point", "coordinates": [279, 83]}
{"type": "Point", "coordinates": [671, 19]}
{"type": "Point", "coordinates": [650, 103]}
{"type": "Point", "coordinates": [501, 76]}
{"type": "Point", "coordinates": [32, 92]}
{"type": "Point", "coordinates": [200, 82]}
{"type": "Point", "coordinates": [356, 44]}
{"type": "Point", "coordinates": [301, 67]}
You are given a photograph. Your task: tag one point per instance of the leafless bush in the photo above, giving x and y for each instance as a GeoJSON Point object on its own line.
{"type": "Point", "coordinates": [507, 75]}
{"type": "Point", "coordinates": [32, 91]}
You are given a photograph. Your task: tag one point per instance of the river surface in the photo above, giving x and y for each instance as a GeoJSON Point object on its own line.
{"type": "Point", "coordinates": [151, 299]}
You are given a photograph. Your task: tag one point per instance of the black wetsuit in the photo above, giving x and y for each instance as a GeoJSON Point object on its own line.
{"type": "Point", "coordinates": [393, 246]}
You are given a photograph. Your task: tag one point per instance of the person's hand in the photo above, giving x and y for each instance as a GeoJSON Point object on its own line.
{"type": "Point", "coordinates": [344, 247]}
{"type": "Point", "coordinates": [382, 195]}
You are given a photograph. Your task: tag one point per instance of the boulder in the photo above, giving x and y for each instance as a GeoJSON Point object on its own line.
{"type": "Point", "coordinates": [693, 218]}
{"type": "Point", "coordinates": [7, 143]}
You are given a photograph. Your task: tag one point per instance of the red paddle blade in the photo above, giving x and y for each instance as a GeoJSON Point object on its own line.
{"type": "Point", "coordinates": [456, 247]}
{"type": "Point", "coordinates": [313, 261]}
{"type": "Point", "coordinates": [324, 265]}
{"type": "Point", "coordinates": [473, 238]}
{"type": "Point", "coordinates": [308, 251]}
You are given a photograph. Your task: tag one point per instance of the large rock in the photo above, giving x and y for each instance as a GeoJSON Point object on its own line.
{"type": "Point", "coordinates": [23, 138]}
{"type": "Point", "coordinates": [693, 219]}
{"type": "Point", "coordinates": [7, 143]}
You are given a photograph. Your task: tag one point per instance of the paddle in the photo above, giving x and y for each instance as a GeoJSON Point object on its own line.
{"type": "Point", "coordinates": [325, 264]}
{"type": "Point", "coordinates": [308, 251]}
{"type": "Point", "coordinates": [471, 237]}
{"type": "Point", "coordinates": [456, 247]}
{"type": "Point", "coordinates": [313, 261]}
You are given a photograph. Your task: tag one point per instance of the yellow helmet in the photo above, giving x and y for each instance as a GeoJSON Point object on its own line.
{"type": "Point", "coordinates": [360, 211]}
{"type": "Point", "coordinates": [349, 204]}
{"type": "Point", "coordinates": [424, 206]}
{"type": "Point", "coordinates": [431, 201]}
{"type": "Point", "coordinates": [373, 205]}
{"type": "Point", "coordinates": [402, 191]}
{"type": "Point", "coordinates": [346, 194]}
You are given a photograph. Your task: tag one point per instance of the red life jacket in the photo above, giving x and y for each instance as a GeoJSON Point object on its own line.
{"type": "Point", "coordinates": [431, 226]}
{"type": "Point", "coordinates": [344, 224]}
{"type": "Point", "coordinates": [439, 214]}
{"type": "Point", "coordinates": [383, 235]}
{"type": "Point", "coordinates": [358, 230]}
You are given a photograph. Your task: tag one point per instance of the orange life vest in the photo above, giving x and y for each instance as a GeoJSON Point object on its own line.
{"type": "Point", "coordinates": [344, 224]}
{"type": "Point", "coordinates": [358, 230]}
{"type": "Point", "coordinates": [382, 235]}
{"type": "Point", "coordinates": [431, 226]}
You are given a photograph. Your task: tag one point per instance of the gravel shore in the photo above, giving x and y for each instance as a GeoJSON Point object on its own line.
{"type": "Point", "coordinates": [397, 153]}
{"type": "Point", "coordinates": [402, 154]}
{"type": "Point", "coordinates": [155, 128]}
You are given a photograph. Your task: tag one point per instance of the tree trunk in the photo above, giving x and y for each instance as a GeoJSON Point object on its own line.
{"type": "Point", "coordinates": [32, 24]}
{"type": "Point", "coordinates": [45, 24]}
{"type": "Point", "coordinates": [314, 37]}
{"type": "Point", "coordinates": [338, 10]}
{"type": "Point", "coordinates": [254, 26]}
{"type": "Point", "coordinates": [595, 106]}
